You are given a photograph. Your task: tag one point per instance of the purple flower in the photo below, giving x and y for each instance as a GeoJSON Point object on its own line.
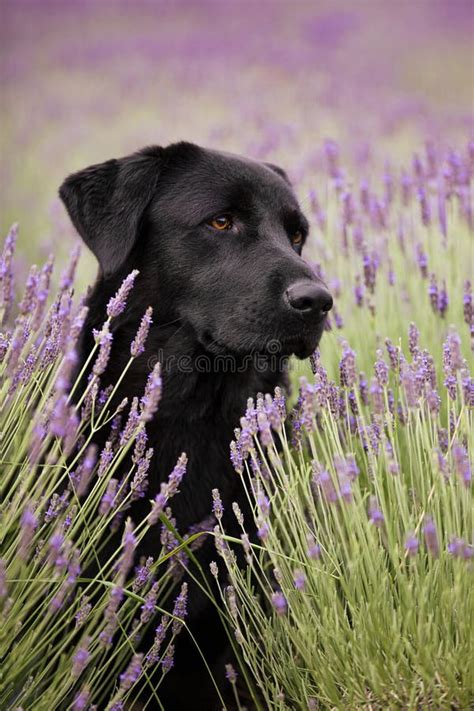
{"type": "Point", "coordinates": [264, 429]}
{"type": "Point", "coordinates": [314, 550]}
{"type": "Point", "coordinates": [167, 660]}
{"type": "Point", "coordinates": [370, 264]}
{"type": "Point", "coordinates": [347, 208]}
{"type": "Point", "coordinates": [452, 357]}
{"type": "Point", "coordinates": [324, 480]}
{"type": "Point", "coordinates": [180, 610]}
{"type": "Point", "coordinates": [148, 607]}
{"type": "Point", "coordinates": [345, 489]}
{"type": "Point", "coordinates": [433, 401]}
{"type": "Point", "coordinates": [411, 545]}
{"type": "Point", "coordinates": [457, 547]}
{"type": "Point", "coordinates": [56, 505]}
{"type": "Point", "coordinates": [273, 412]}
{"type": "Point", "coordinates": [461, 463]}
{"type": "Point", "coordinates": [104, 339]}
{"type": "Point", "coordinates": [331, 149]}
{"type": "Point", "coordinates": [443, 299]}
{"type": "Point", "coordinates": [467, 303]}
{"type": "Point", "coordinates": [82, 700]}
{"type": "Point", "coordinates": [80, 658]}
{"type": "Point", "coordinates": [6, 271]}
{"type": "Point", "coordinates": [376, 516]}
{"type": "Point", "coordinates": [299, 579]}
{"type": "Point", "coordinates": [424, 207]}
{"type": "Point", "coordinates": [431, 537]}
{"type": "Point", "coordinates": [376, 393]}
{"type": "Point", "coordinates": [138, 344]}
{"type": "Point", "coordinates": [129, 544]}
{"type": "Point", "coordinates": [132, 672]}
{"type": "Point", "coordinates": [230, 674]}
{"type": "Point", "coordinates": [279, 603]}
{"type": "Point", "coordinates": [83, 612]}
{"type": "Point", "coordinates": [110, 615]}
{"type": "Point", "coordinates": [142, 575]}
{"type": "Point", "coordinates": [406, 185]}
{"type": "Point", "coordinates": [358, 292]}
{"type": "Point", "coordinates": [408, 381]}
{"type": "Point", "coordinates": [217, 508]}
{"type": "Point", "coordinates": [28, 302]}
{"type": "Point", "coordinates": [433, 293]}
{"type": "Point", "coordinates": [105, 459]}
{"type": "Point", "coordinates": [413, 338]}
{"type": "Point", "coordinates": [67, 277]}
{"type": "Point", "coordinates": [118, 302]}
{"type": "Point", "coordinates": [132, 423]}
{"type": "Point", "coordinates": [422, 260]}
{"type": "Point", "coordinates": [152, 394]}
{"type": "Point", "coordinates": [347, 369]}
{"type": "Point", "coordinates": [108, 499]}
{"type": "Point", "coordinates": [85, 470]}
{"type": "Point", "coordinates": [28, 525]}
{"type": "Point", "coordinates": [160, 633]}
{"type": "Point", "coordinates": [263, 530]}
{"type": "Point", "coordinates": [363, 389]}
{"type": "Point", "coordinates": [381, 370]}
{"type": "Point", "coordinates": [139, 483]}
{"type": "Point", "coordinates": [393, 354]}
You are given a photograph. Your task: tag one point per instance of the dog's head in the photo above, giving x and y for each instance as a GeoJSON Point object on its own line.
{"type": "Point", "coordinates": [217, 239]}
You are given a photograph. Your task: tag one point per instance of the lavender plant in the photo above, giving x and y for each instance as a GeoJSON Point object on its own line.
{"type": "Point", "coordinates": [70, 637]}
{"type": "Point", "coordinates": [359, 592]}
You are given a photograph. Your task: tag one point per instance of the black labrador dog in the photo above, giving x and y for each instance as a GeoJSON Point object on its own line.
{"type": "Point", "coordinates": [217, 239]}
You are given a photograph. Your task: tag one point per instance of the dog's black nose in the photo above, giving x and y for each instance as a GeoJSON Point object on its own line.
{"type": "Point", "coordinates": [309, 298]}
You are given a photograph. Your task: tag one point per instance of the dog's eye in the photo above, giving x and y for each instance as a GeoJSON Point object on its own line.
{"type": "Point", "coordinates": [297, 239]}
{"type": "Point", "coordinates": [221, 222]}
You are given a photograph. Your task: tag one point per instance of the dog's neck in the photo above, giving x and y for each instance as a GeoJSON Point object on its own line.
{"type": "Point", "coordinates": [197, 383]}
{"type": "Point", "coordinates": [202, 402]}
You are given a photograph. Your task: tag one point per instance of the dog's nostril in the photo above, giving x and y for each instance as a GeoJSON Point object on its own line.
{"type": "Point", "coordinates": [309, 298]}
{"type": "Point", "coordinates": [326, 303]}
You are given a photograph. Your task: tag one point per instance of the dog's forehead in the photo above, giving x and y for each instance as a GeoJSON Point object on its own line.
{"type": "Point", "coordinates": [218, 179]}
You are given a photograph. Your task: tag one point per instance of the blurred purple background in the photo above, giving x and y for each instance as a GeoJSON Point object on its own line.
{"type": "Point", "coordinates": [86, 80]}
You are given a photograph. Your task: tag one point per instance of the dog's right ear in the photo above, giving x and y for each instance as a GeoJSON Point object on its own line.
{"type": "Point", "coordinates": [106, 203]}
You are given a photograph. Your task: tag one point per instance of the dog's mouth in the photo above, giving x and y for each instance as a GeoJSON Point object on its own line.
{"type": "Point", "coordinates": [301, 344]}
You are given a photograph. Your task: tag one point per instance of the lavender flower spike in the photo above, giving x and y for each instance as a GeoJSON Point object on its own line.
{"type": "Point", "coordinates": [138, 343]}
{"type": "Point", "coordinates": [180, 609]}
{"type": "Point", "coordinates": [118, 302]}
{"type": "Point", "coordinates": [279, 603]}
{"type": "Point", "coordinates": [82, 700]}
{"type": "Point", "coordinates": [152, 394]}
{"type": "Point", "coordinates": [29, 524]}
{"type": "Point", "coordinates": [6, 272]}
{"type": "Point", "coordinates": [104, 339]}
{"type": "Point", "coordinates": [375, 514]}
{"type": "Point", "coordinates": [132, 673]}
{"type": "Point", "coordinates": [81, 658]}
{"type": "Point", "coordinates": [347, 368]}
{"type": "Point", "coordinates": [217, 508]}
{"type": "Point", "coordinates": [230, 673]}
{"type": "Point", "coordinates": [431, 537]}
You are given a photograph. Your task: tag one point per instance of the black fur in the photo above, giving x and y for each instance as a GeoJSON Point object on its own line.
{"type": "Point", "coordinates": [214, 294]}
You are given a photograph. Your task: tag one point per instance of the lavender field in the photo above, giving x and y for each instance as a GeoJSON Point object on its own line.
{"type": "Point", "coordinates": [357, 593]}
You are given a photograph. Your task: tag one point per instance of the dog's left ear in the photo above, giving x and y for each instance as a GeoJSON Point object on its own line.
{"type": "Point", "coordinates": [106, 203]}
{"type": "Point", "coordinates": [280, 171]}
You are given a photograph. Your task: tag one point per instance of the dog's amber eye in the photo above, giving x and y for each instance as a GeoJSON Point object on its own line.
{"type": "Point", "coordinates": [297, 239]}
{"type": "Point", "coordinates": [221, 222]}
